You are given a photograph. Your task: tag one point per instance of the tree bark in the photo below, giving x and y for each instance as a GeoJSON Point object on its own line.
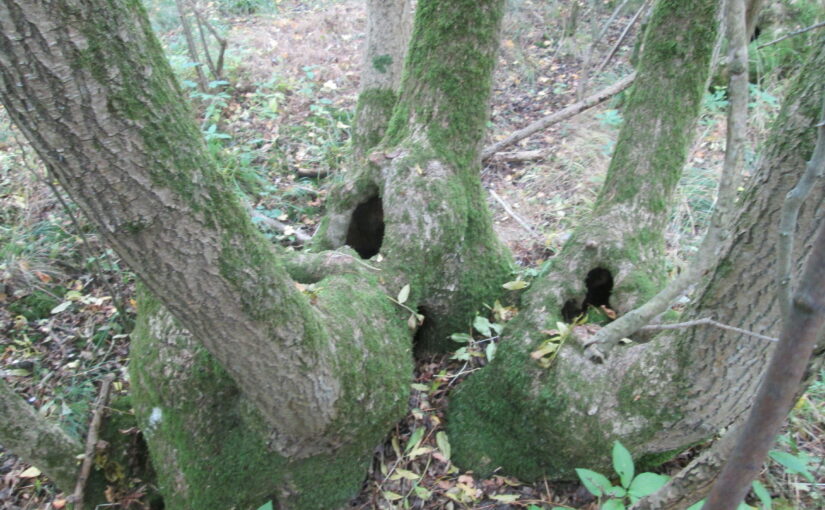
{"type": "Point", "coordinates": [36, 440]}
{"type": "Point", "coordinates": [679, 388]}
{"type": "Point", "coordinates": [421, 184]}
{"type": "Point", "coordinates": [389, 23]}
{"type": "Point", "coordinates": [89, 86]}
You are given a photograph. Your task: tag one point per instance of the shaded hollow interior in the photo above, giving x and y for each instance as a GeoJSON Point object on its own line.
{"type": "Point", "coordinates": [599, 284]}
{"type": "Point", "coordinates": [422, 334]}
{"type": "Point", "coordinates": [366, 228]}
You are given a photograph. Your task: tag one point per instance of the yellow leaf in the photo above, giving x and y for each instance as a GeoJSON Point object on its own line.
{"type": "Point", "coordinates": [32, 472]}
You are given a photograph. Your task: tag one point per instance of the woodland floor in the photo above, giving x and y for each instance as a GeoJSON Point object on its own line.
{"type": "Point", "coordinates": [287, 108]}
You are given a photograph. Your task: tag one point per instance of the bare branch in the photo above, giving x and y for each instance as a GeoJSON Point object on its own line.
{"type": "Point", "coordinates": [91, 442]}
{"type": "Point", "coordinates": [790, 213]}
{"type": "Point", "coordinates": [622, 37]}
{"type": "Point", "coordinates": [526, 226]}
{"type": "Point", "coordinates": [709, 322]}
{"type": "Point", "coordinates": [787, 36]}
{"type": "Point", "coordinates": [585, 72]}
{"type": "Point", "coordinates": [561, 115]}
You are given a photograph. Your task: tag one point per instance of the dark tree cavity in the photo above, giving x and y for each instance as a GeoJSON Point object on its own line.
{"type": "Point", "coordinates": [366, 230]}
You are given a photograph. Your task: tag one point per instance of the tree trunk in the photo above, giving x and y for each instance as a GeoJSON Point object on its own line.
{"type": "Point", "coordinates": [90, 88]}
{"type": "Point", "coordinates": [679, 388]}
{"type": "Point", "coordinates": [38, 441]}
{"type": "Point", "coordinates": [417, 199]}
{"type": "Point", "coordinates": [388, 34]}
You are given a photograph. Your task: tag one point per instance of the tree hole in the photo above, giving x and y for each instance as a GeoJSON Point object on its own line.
{"type": "Point", "coordinates": [422, 335]}
{"type": "Point", "coordinates": [599, 283]}
{"type": "Point", "coordinates": [366, 229]}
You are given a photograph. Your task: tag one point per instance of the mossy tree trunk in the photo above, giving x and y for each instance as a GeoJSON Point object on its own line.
{"type": "Point", "coordinates": [417, 198]}
{"type": "Point", "coordinates": [38, 441]}
{"type": "Point", "coordinates": [323, 375]}
{"type": "Point", "coordinates": [679, 388]}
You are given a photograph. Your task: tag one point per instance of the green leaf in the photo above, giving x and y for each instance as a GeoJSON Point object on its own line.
{"type": "Point", "coordinates": [266, 506]}
{"type": "Point", "coordinates": [490, 351]}
{"type": "Point", "coordinates": [596, 483]}
{"type": "Point", "coordinates": [461, 338]}
{"type": "Point", "coordinates": [646, 484]}
{"type": "Point", "coordinates": [404, 294]}
{"type": "Point", "coordinates": [616, 492]}
{"type": "Point", "coordinates": [423, 493]}
{"type": "Point", "coordinates": [415, 438]}
{"type": "Point", "coordinates": [623, 463]}
{"type": "Point", "coordinates": [505, 498]}
{"type": "Point", "coordinates": [419, 387]}
{"type": "Point", "coordinates": [792, 463]}
{"type": "Point", "coordinates": [613, 504]}
{"type": "Point", "coordinates": [392, 496]}
{"type": "Point", "coordinates": [516, 285]}
{"type": "Point", "coordinates": [482, 325]}
{"type": "Point", "coordinates": [443, 444]}
{"type": "Point", "coordinates": [697, 505]}
{"type": "Point", "coordinates": [762, 493]}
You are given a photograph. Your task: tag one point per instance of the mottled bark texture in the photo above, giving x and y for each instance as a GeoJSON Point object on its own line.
{"type": "Point", "coordinates": [36, 440]}
{"type": "Point", "coordinates": [421, 183]}
{"type": "Point", "coordinates": [89, 86]}
{"type": "Point", "coordinates": [389, 23]}
{"type": "Point", "coordinates": [675, 390]}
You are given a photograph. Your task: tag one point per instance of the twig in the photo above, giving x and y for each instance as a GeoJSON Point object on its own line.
{"type": "Point", "coordinates": [526, 226]}
{"type": "Point", "coordinates": [190, 45]}
{"type": "Point", "coordinates": [313, 173]}
{"type": "Point", "coordinates": [786, 36]}
{"type": "Point", "coordinates": [585, 72]}
{"type": "Point", "coordinates": [215, 68]}
{"type": "Point", "coordinates": [790, 213]}
{"type": "Point", "coordinates": [91, 442]}
{"type": "Point", "coordinates": [564, 114]}
{"type": "Point", "coordinates": [707, 321]}
{"type": "Point", "coordinates": [520, 155]}
{"type": "Point", "coordinates": [622, 37]}
{"type": "Point", "coordinates": [274, 224]}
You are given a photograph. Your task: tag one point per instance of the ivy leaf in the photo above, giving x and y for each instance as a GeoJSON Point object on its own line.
{"type": "Point", "coordinates": [623, 463]}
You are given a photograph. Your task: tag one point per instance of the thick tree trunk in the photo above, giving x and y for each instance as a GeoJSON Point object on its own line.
{"type": "Point", "coordinates": [90, 88]}
{"type": "Point", "coordinates": [418, 200]}
{"type": "Point", "coordinates": [675, 390]}
{"type": "Point", "coordinates": [38, 441]}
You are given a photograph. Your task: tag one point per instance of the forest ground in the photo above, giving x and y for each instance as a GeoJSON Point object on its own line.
{"type": "Point", "coordinates": [286, 111]}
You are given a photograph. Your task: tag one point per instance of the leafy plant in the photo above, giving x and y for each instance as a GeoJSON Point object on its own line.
{"type": "Point", "coordinates": [631, 487]}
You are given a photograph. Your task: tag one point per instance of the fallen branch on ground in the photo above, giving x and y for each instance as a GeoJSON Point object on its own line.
{"type": "Point", "coordinates": [564, 114]}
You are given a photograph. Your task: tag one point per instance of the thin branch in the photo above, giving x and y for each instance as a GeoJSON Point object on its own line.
{"type": "Point", "coordinates": [707, 321]}
{"type": "Point", "coordinates": [190, 44]}
{"type": "Point", "coordinates": [521, 221]}
{"type": "Point", "coordinates": [786, 36]}
{"type": "Point", "coordinates": [276, 225]}
{"type": "Point", "coordinates": [585, 71]}
{"type": "Point", "coordinates": [561, 115]}
{"type": "Point", "coordinates": [790, 213]}
{"type": "Point", "coordinates": [91, 442]}
{"type": "Point", "coordinates": [622, 37]}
